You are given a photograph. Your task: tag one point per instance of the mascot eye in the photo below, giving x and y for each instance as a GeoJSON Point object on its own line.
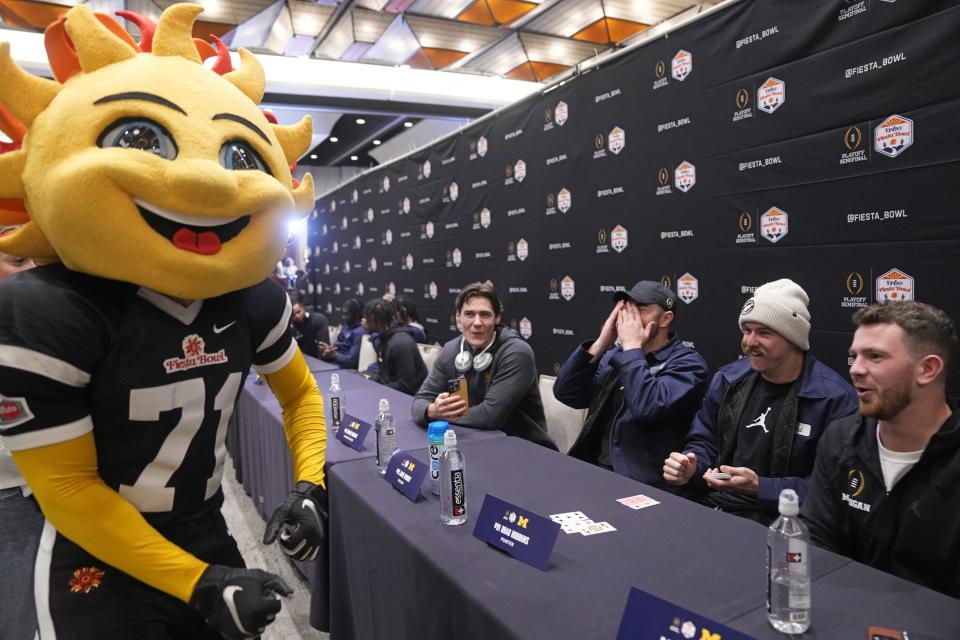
{"type": "Point", "coordinates": [139, 134]}
{"type": "Point", "coordinates": [237, 155]}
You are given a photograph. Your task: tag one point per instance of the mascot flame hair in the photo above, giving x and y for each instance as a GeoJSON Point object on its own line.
{"type": "Point", "coordinates": [181, 187]}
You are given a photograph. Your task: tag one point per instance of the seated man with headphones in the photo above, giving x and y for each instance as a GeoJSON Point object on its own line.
{"type": "Point", "coordinates": [497, 370]}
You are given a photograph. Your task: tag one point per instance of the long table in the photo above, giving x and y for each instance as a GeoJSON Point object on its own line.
{"type": "Point", "coordinates": [397, 572]}
{"type": "Point", "coordinates": [258, 447]}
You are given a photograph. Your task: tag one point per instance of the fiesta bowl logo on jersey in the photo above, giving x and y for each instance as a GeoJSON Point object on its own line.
{"type": "Point", "coordinates": [194, 354]}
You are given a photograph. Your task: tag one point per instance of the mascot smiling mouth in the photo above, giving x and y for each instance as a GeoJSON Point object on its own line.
{"type": "Point", "coordinates": [199, 234]}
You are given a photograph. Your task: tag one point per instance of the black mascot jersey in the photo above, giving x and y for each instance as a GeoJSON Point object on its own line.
{"type": "Point", "coordinates": [155, 381]}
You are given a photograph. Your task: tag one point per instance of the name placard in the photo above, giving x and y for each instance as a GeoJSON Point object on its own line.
{"type": "Point", "coordinates": [406, 474]}
{"type": "Point", "coordinates": [353, 432]}
{"type": "Point", "coordinates": [647, 617]}
{"type": "Point", "coordinates": [523, 534]}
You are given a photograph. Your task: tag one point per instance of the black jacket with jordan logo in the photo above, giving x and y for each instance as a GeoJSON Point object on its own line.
{"type": "Point", "coordinates": [912, 531]}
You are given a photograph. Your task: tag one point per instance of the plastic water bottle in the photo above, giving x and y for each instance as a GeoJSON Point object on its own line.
{"type": "Point", "coordinates": [386, 432]}
{"type": "Point", "coordinates": [788, 568]}
{"type": "Point", "coordinates": [453, 491]}
{"type": "Point", "coordinates": [336, 401]}
{"type": "Point", "coordinates": [435, 431]}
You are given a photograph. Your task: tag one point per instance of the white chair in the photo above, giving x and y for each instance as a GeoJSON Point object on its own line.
{"type": "Point", "coordinates": [368, 355]}
{"type": "Point", "coordinates": [334, 334]}
{"type": "Point", "coordinates": [563, 423]}
{"type": "Point", "coordinates": [429, 353]}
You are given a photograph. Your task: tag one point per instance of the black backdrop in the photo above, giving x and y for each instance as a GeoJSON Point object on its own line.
{"type": "Point", "coordinates": [817, 140]}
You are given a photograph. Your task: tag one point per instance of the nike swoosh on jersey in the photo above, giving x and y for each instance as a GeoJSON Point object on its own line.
{"type": "Point", "coordinates": [228, 594]}
{"type": "Point", "coordinates": [217, 329]}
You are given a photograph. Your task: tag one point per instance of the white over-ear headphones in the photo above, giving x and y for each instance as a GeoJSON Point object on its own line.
{"type": "Point", "coordinates": [479, 362]}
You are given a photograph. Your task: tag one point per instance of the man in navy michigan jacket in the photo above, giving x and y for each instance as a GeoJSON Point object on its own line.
{"type": "Point", "coordinates": [642, 392]}
{"type": "Point", "coordinates": [757, 431]}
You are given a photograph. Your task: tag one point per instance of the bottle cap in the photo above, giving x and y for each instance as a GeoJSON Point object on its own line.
{"type": "Point", "coordinates": [334, 379]}
{"type": "Point", "coordinates": [436, 429]}
{"type": "Point", "coordinates": [789, 503]}
{"type": "Point", "coordinates": [384, 405]}
{"type": "Point", "coordinates": [450, 438]}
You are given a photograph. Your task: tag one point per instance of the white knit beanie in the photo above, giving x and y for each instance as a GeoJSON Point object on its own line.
{"type": "Point", "coordinates": [782, 306]}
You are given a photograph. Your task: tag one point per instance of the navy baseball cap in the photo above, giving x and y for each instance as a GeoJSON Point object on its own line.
{"type": "Point", "coordinates": [649, 292]}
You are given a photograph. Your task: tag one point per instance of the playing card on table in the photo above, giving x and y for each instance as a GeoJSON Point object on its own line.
{"type": "Point", "coordinates": [596, 527]}
{"type": "Point", "coordinates": [570, 516]}
{"type": "Point", "coordinates": [639, 501]}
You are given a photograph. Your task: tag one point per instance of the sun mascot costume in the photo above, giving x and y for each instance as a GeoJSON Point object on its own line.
{"type": "Point", "coordinates": [158, 193]}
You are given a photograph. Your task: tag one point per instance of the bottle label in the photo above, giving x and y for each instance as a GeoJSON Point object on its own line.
{"type": "Point", "coordinates": [434, 462]}
{"type": "Point", "coordinates": [458, 494]}
{"type": "Point", "coordinates": [335, 416]}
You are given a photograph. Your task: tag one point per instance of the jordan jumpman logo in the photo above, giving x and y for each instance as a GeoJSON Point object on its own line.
{"type": "Point", "coordinates": [761, 421]}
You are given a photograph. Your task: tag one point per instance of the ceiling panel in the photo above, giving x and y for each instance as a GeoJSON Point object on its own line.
{"type": "Point", "coordinates": [557, 50]}
{"type": "Point", "coordinates": [456, 36]}
{"type": "Point", "coordinates": [505, 55]}
{"type": "Point", "coordinates": [567, 17]}
{"type": "Point", "coordinates": [308, 17]}
{"type": "Point", "coordinates": [439, 8]}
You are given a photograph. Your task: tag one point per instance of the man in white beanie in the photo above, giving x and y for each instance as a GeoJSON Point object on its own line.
{"type": "Point", "coordinates": [757, 431]}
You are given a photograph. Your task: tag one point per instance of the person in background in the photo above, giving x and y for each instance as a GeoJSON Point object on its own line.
{"type": "Point", "coordinates": [20, 523]}
{"type": "Point", "coordinates": [346, 351]}
{"type": "Point", "coordinates": [498, 368]}
{"type": "Point", "coordinates": [884, 487]}
{"type": "Point", "coordinates": [762, 415]}
{"type": "Point", "coordinates": [309, 329]}
{"type": "Point", "coordinates": [407, 315]}
{"type": "Point", "coordinates": [642, 391]}
{"type": "Point", "coordinates": [401, 366]}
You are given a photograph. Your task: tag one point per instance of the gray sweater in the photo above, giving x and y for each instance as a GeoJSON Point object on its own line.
{"type": "Point", "coordinates": [504, 396]}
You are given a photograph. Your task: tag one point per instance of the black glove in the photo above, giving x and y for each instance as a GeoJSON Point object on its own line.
{"type": "Point", "coordinates": [300, 522]}
{"type": "Point", "coordinates": [238, 603]}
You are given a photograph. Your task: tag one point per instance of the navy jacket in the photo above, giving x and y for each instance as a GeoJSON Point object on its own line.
{"type": "Point", "coordinates": [662, 392]}
{"type": "Point", "coordinates": [822, 397]}
{"type": "Point", "coordinates": [348, 346]}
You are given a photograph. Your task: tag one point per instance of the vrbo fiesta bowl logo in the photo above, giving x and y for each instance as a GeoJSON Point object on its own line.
{"type": "Point", "coordinates": [194, 355]}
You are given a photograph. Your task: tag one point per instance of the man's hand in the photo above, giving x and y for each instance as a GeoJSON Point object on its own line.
{"type": "Point", "coordinates": [299, 521]}
{"type": "Point", "coordinates": [608, 333]}
{"type": "Point", "coordinates": [630, 329]}
{"type": "Point", "coordinates": [238, 603]}
{"type": "Point", "coordinates": [744, 480]}
{"type": "Point", "coordinates": [679, 468]}
{"type": "Point", "coordinates": [447, 407]}
{"type": "Point", "coordinates": [327, 352]}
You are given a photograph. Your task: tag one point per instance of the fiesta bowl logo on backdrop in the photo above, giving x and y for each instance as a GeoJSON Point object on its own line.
{"type": "Point", "coordinates": [685, 176]}
{"type": "Point", "coordinates": [564, 200]}
{"type": "Point", "coordinates": [895, 285]}
{"type": "Point", "coordinates": [425, 169]}
{"type": "Point", "coordinates": [485, 217]}
{"type": "Point", "coordinates": [567, 289]}
{"type": "Point", "coordinates": [336, 288]}
{"type": "Point", "coordinates": [520, 170]}
{"type": "Point", "coordinates": [333, 206]}
{"type": "Point", "coordinates": [408, 261]}
{"type": "Point", "coordinates": [456, 257]}
{"type": "Point", "coordinates": [526, 328]}
{"type": "Point", "coordinates": [432, 290]}
{"type": "Point", "coordinates": [618, 238]}
{"type": "Point", "coordinates": [481, 146]}
{"type": "Point", "coordinates": [560, 113]}
{"type": "Point", "coordinates": [688, 288]}
{"type": "Point", "coordinates": [428, 229]}
{"type": "Point", "coordinates": [405, 205]}
{"type": "Point", "coordinates": [392, 288]}
{"type": "Point", "coordinates": [523, 250]}
{"type": "Point", "coordinates": [893, 136]}
{"type": "Point", "coordinates": [386, 183]}
{"type": "Point", "coordinates": [454, 191]}
{"type": "Point", "coordinates": [771, 95]}
{"type": "Point", "coordinates": [616, 140]}
{"type": "Point", "coordinates": [354, 196]}
{"type": "Point", "coordinates": [369, 215]}
{"type": "Point", "coordinates": [774, 224]}
{"type": "Point", "coordinates": [373, 264]}
{"type": "Point", "coordinates": [344, 222]}
{"type": "Point", "coordinates": [360, 289]}
{"type": "Point", "coordinates": [682, 65]}
{"type": "Point", "coordinates": [388, 237]}
{"type": "Point", "coordinates": [346, 267]}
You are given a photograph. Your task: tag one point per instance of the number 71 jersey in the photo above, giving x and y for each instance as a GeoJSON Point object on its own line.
{"type": "Point", "coordinates": [156, 382]}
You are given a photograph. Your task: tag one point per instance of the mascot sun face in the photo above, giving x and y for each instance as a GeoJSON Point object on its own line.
{"type": "Point", "coordinates": [148, 167]}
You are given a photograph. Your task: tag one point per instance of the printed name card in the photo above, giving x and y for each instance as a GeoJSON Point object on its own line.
{"type": "Point", "coordinates": [353, 432]}
{"type": "Point", "coordinates": [647, 617]}
{"type": "Point", "coordinates": [406, 474]}
{"type": "Point", "coordinates": [524, 535]}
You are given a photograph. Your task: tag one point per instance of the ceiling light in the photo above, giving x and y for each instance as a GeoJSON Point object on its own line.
{"type": "Point", "coordinates": [354, 158]}
{"type": "Point", "coordinates": [408, 124]}
{"type": "Point", "coordinates": [361, 121]}
{"type": "Point", "coordinates": [313, 156]}
{"type": "Point", "coordinates": [376, 142]}
{"type": "Point", "coordinates": [334, 139]}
